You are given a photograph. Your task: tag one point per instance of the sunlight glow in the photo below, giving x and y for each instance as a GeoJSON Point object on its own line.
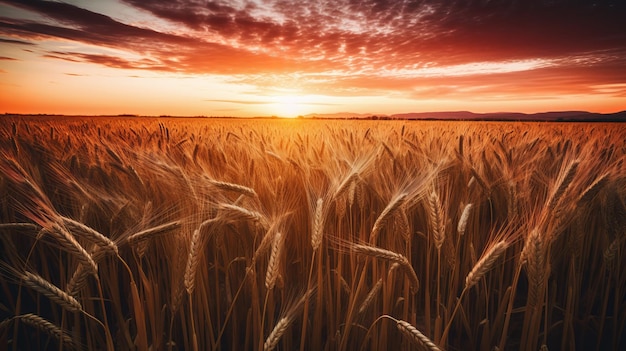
{"type": "Point", "coordinates": [289, 106]}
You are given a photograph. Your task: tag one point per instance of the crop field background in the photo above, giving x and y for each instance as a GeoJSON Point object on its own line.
{"type": "Point", "coordinates": [225, 234]}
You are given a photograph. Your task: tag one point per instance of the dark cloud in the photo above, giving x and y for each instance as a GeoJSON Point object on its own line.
{"type": "Point", "coordinates": [78, 24]}
{"type": "Point", "coordinates": [166, 51]}
{"type": "Point", "coordinates": [5, 58]}
{"type": "Point", "coordinates": [414, 31]}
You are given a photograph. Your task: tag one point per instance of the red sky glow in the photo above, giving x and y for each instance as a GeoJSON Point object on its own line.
{"type": "Point", "coordinates": [291, 57]}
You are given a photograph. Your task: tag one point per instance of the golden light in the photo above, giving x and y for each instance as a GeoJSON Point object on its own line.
{"type": "Point", "coordinates": [289, 106]}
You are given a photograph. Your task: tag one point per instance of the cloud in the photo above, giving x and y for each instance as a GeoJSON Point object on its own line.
{"type": "Point", "coordinates": [341, 47]}
{"type": "Point", "coordinates": [13, 41]}
{"type": "Point", "coordinates": [109, 61]}
{"type": "Point", "coordinates": [261, 102]}
{"type": "Point", "coordinates": [243, 102]}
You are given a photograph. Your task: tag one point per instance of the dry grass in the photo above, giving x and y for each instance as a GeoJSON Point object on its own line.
{"type": "Point", "coordinates": [311, 235]}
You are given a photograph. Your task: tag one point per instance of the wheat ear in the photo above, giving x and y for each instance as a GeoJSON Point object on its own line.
{"type": "Point", "coordinates": [352, 177]}
{"type": "Point", "coordinates": [371, 296]}
{"type": "Point", "coordinates": [485, 263]}
{"type": "Point", "coordinates": [282, 325]}
{"type": "Point", "coordinates": [611, 251]}
{"type": "Point", "coordinates": [560, 190]}
{"type": "Point", "coordinates": [77, 281]}
{"type": "Point", "coordinates": [534, 255]}
{"type": "Point", "coordinates": [272, 266]}
{"type": "Point", "coordinates": [415, 335]}
{"type": "Point", "coordinates": [68, 241]}
{"type": "Point", "coordinates": [593, 189]}
{"type": "Point", "coordinates": [318, 225]}
{"type": "Point", "coordinates": [192, 262]}
{"type": "Point", "coordinates": [152, 232]}
{"type": "Point", "coordinates": [393, 205]}
{"type": "Point", "coordinates": [195, 252]}
{"type": "Point", "coordinates": [246, 214]}
{"type": "Point", "coordinates": [51, 291]}
{"type": "Point", "coordinates": [90, 234]}
{"type": "Point", "coordinates": [390, 256]}
{"type": "Point", "coordinates": [19, 226]}
{"type": "Point", "coordinates": [467, 211]}
{"type": "Point", "coordinates": [276, 334]}
{"type": "Point", "coordinates": [241, 189]}
{"type": "Point", "coordinates": [46, 326]}
{"type": "Point", "coordinates": [435, 216]}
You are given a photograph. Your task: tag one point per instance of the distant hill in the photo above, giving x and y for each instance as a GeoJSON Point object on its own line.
{"type": "Point", "coordinates": [565, 116]}
{"type": "Point", "coordinates": [516, 116]}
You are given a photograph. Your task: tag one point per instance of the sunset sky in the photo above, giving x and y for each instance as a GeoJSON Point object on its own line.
{"type": "Point", "coordinates": [294, 57]}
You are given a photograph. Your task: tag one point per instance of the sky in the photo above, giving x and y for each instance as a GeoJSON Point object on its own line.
{"type": "Point", "coordinates": [292, 57]}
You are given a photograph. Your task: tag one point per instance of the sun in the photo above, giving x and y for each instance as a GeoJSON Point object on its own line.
{"type": "Point", "coordinates": [289, 106]}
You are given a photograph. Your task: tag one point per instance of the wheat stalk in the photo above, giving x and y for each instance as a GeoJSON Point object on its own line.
{"type": "Point", "coordinates": [485, 263]}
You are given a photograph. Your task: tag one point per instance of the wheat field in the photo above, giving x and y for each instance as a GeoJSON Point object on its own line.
{"type": "Point", "coordinates": [223, 234]}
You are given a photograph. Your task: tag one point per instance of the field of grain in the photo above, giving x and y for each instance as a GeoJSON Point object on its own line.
{"type": "Point", "coordinates": [198, 234]}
